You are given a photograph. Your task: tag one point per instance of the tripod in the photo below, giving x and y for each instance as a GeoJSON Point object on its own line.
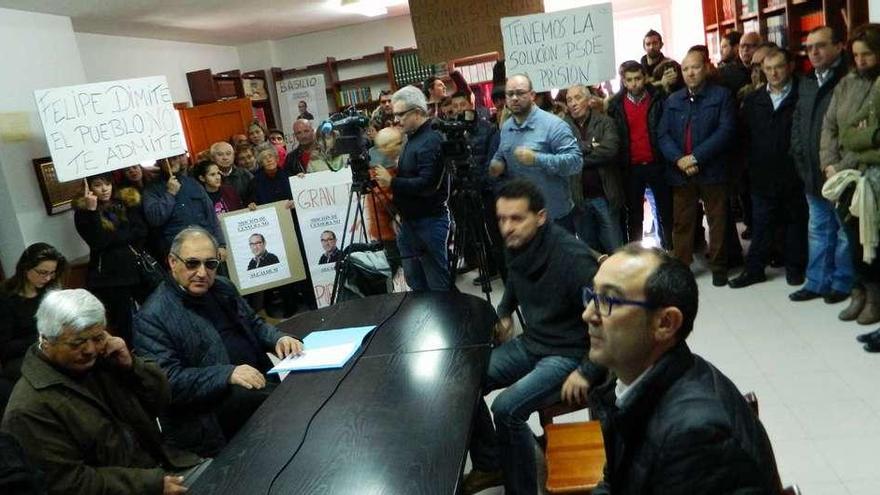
{"type": "Point", "coordinates": [466, 204]}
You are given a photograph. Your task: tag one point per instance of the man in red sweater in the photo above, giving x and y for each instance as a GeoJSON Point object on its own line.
{"type": "Point", "coordinates": [636, 110]}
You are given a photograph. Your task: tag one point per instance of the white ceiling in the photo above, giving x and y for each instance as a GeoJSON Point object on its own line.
{"type": "Point", "coordinates": [223, 22]}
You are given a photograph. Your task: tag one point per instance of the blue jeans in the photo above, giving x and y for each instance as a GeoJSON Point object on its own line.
{"type": "Point", "coordinates": [532, 382]}
{"type": "Point", "coordinates": [424, 254]}
{"type": "Point", "coordinates": [598, 225]}
{"type": "Point", "coordinates": [830, 265]}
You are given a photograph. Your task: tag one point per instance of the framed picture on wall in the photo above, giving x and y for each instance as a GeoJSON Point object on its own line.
{"type": "Point", "coordinates": [57, 196]}
{"type": "Point", "coordinates": [255, 89]}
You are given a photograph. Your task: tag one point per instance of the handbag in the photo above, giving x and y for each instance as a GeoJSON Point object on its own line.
{"type": "Point", "coordinates": [150, 270]}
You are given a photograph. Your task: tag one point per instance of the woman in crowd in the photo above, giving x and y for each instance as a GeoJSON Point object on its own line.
{"type": "Point", "coordinates": [113, 226]}
{"type": "Point", "coordinates": [135, 176]}
{"type": "Point", "coordinates": [38, 270]}
{"type": "Point", "coordinates": [246, 159]}
{"type": "Point", "coordinates": [276, 139]}
{"type": "Point", "coordinates": [256, 133]}
{"type": "Point", "coordinates": [848, 150]}
{"type": "Point", "coordinates": [223, 196]}
{"type": "Point", "coordinates": [325, 157]}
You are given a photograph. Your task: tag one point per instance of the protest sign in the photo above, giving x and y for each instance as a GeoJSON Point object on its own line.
{"type": "Point", "coordinates": [262, 248]}
{"type": "Point", "coordinates": [96, 128]}
{"type": "Point", "coordinates": [321, 200]}
{"type": "Point", "coordinates": [308, 89]}
{"type": "Point", "coordinates": [560, 49]}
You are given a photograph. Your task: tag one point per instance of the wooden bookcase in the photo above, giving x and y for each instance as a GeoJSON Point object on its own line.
{"type": "Point", "coordinates": [389, 69]}
{"type": "Point", "coordinates": [206, 87]}
{"type": "Point", "coordinates": [785, 22]}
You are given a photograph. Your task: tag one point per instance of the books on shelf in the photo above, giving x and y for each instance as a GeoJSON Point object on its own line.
{"type": "Point", "coordinates": [728, 9]}
{"type": "Point", "coordinates": [476, 73]}
{"type": "Point", "coordinates": [751, 26]}
{"type": "Point", "coordinates": [749, 7]}
{"type": "Point", "coordinates": [408, 69]}
{"type": "Point", "coordinates": [809, 22]}
{"type": "Point", "coordinates": [777, 30]}
{"type": "Point", "coordinates": [713, 43]}
{"type": "Point", "coordinates": [354, 96]}
{"type": "Point", "coordinates": [775, 3]}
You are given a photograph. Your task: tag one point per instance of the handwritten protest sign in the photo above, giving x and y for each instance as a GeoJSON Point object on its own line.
{"type": "Point", "coordinates": [559, 49]}
{"type": "Point", "coordinates": [462, 28]}
{"type": "Point", "coordinates": [96, 128]}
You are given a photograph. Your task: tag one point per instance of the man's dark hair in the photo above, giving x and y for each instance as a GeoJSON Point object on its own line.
{"type": "Point", "coordinates": [498, 93]}
{"type": "Point", "coordinates": [836, 33]}
{"type": "Point", "coordinates": [428, 85]}
{"type": "Point", "coordinates": [651, 34]}
{"type": "Point", "coordinates": [276, 132]}
{"type": "Point", "coordinates": [732, 37]}
{"type": "Point", "coordinates": [386, 92]}
{"type": "Point", "coordinates": [330, 232]}
{"type": "Point", "coordinates": [671, 284]}
{"type": "Point", "coordinates": [201, 168]}
{"type": "Point", "coordinates": [773, 52]}
{"type": "Point", "coordinates": [527, 78]}
{"type": "Point", "coordinates": [523, 189]}
{"type": "Point", "coordinates": [262, 239]}
{"type": "Point", "coordinates": [630, 66]}
{"type": "Point", "coordinates": [702, 50]}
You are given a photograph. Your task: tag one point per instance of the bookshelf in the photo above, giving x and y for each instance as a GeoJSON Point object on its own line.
{"type": "Point", "coordinates": [785, 22]}
{"type": "Point", "coordinates": [206, 87]}
{"type": "Point", "coordinates": [358, 81]}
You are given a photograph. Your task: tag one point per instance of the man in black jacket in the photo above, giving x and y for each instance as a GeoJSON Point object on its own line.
{"type": "Point", "coordinates": [672, 423]}
{"type": "Point", "coordinates": [546, 266]}
{"type": "Point", "coordinates": [637, 110]}
{"type": "Point", "coordinates": [420, 190]}
{"type": "Point", "coordinates": [777, 194]}
{"type": "Point", "coordinates": [829, 267]}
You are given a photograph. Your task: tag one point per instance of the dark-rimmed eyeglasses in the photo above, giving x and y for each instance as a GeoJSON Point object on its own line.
{"type": "Point", "coordinates": [604, 303]}
{"type": "Point", "coordinates": [518, 93]}
{"type": "Point", "coordinates": [194, 263]}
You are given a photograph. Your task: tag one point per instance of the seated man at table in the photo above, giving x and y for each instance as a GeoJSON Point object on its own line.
{"type": "Point", "coordinates": [546, 268]}
{"type": "Point", "coordinates": [672, 423]}
{"type": "Point", "coordinates": [84, 410]}
{"type": "Point", "coordinates": [210, 343]}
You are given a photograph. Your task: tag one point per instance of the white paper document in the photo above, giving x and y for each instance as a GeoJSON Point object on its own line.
{"type": "Point", "coordinates": [311, 359]}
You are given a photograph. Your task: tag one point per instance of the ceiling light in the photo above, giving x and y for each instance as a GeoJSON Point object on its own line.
{"type": "Point", "coordinates": [369, 8]}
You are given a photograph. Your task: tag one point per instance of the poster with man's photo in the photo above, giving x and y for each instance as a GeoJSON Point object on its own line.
{"type": "Point", "coordinates": [321, 200]}
{"type": "Point", "coordinates": [302, 98]}
{"type": "Point", "coordinates": [262, 248]}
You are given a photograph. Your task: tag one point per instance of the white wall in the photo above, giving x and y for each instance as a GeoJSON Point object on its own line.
{"type": "Point", "coordinates": [108, 58]}
{"type": "Point", "coordinates": [40, 51]}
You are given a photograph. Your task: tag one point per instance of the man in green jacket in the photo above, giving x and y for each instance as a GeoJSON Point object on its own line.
{"type": "Point", "coordinates": [85, 407]}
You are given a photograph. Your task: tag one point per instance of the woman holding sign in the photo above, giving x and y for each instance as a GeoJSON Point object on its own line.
{"type": "Point", "coordinates": [113, 226]}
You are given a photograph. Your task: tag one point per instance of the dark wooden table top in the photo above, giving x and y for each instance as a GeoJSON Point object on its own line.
{"type": "Point", "coordinates": [396, 419]}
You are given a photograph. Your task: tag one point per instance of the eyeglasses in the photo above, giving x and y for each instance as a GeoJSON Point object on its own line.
{"type": "Point", "coordinates": [328, 239]}
{"type": "Point", "coordinates": [194, 263]}
{"type": "Point", "coordinates": [519, 93]}
{"type": "Point", "coordinates": [44, 273]}
{"type": "Point", "coordinates": [604, 304]}
{"type": "Point", "coordinates": [400, 115]}
{"type": "Point", "coordinates": [257, 243]}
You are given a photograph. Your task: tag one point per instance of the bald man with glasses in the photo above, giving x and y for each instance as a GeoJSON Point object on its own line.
{"type": "Point", "coordinates": [211, 345]}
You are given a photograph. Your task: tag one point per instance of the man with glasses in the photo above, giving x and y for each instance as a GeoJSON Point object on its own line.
{"type": "Point", "coordinates": [211, 345]}
{"type": "Point", "coordinates": [262, 258]}
{"type": "Point", "coordinates": [420, 190]}
{"type": "Point", "coordinates": [83, 408]}
{"type": "Point", "coordinates": [546, 267]}
{"type": "Point", "coordinates": [328, 244]}
{"type": "Point", "coordinates": [538, 146]}
{"type": "Point", "coordinates": [672, 422]}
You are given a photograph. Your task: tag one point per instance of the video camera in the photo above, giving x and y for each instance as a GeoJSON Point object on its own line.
{"type": "Point", "coordinates": [455, 148]}
{"type": "Point", "coordinates": [350, 125]}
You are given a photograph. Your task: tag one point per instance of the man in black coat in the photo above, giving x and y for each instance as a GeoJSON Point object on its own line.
{"type": "Point", "coordinates": [672, 423]}
{"type": "Point", "coordinates": [776, 191]}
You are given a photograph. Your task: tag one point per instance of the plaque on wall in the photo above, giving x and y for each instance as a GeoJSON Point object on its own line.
{"type": "Point", "coordinates": [57, 196]}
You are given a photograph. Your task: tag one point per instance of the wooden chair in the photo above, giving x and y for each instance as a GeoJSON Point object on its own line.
{"type": "Point", "coordinates": [575, 454]}
{"type": "Point", "coordinates": [546, 415]}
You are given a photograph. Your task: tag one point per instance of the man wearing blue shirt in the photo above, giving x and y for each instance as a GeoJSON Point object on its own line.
{"type": "Point", "coordinates": [540, 147]}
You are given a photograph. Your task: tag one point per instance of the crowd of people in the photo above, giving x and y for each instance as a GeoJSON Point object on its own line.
{"type": "Point", "coordinates": [564, 181]}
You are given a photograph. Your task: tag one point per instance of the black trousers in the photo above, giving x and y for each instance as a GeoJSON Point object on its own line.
{"type": "Point", "coordinates": [788, 210]}
{"type": "Point", "coordinates": [639, 177]}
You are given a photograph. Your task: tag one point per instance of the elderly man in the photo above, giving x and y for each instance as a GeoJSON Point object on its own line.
{"type": "Point", "coordinates": [546, 266]}
{"type": "Point", "coordinates": [538, 146]}
{"type": "Point", "coordinates": [297, 161]}
{"type": "Point", "coordinates": [695, 134]}
{"type": "Point", "coordinates": [84, 408]}
{"type": "Point", "coordinates": [240, 179]}
{"type": "Point", "coordinates": [419, 189]}
{"type": "Point", "coordinates": [211, 345]}
{"type": "Point", "coordinates": [672, 423]}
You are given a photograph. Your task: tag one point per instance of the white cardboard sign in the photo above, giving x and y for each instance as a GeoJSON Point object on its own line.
{"type": "Point", "coordinates": [96, 128]}
{"type": "Point", "coordinates": [559, 49]}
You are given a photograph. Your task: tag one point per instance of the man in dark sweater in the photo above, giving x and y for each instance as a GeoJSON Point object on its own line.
{"type": "Point", "coordinates": [546, 268]}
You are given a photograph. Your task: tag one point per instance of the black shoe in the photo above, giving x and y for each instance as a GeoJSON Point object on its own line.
{"type": "Point", "coordinates": [835, 297]}
{"type": "Point", "coordinates": [872, 346]}
{"type": "Point", "coordinates": [868, 337]}
{"type": "Point", "coordinates": [746, 279]}
{"type": "Point", "coordinates": [804, 295]}
{"type": "Point", "coordinates": [719, 279]}
{"type": "Point", "coordinates": [795, 279]}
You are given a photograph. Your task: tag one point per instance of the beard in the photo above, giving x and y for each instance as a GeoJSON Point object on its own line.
{"type": "Point", "coordinates": [870, 73]}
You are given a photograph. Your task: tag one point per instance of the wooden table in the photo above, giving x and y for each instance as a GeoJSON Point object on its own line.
{"type": "Point", "coordinates": [396, 419]}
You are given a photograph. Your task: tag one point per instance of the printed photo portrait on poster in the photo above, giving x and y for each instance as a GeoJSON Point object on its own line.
{"type": "Point", "coordinates": [262, 247]}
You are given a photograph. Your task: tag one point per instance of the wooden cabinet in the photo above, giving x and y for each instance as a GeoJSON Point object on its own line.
{"type": "Point", "coordinates": [206, 124]}
{"type": "Point", "coordinates": [784, 22]}
{"type": "Point", "coordinates": [206, 87]}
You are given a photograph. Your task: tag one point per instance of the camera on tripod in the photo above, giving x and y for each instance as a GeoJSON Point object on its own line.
{"type": "Point", "coordinates": [455, 148]}
{"type": "Point", "coordinates": [350, 124]}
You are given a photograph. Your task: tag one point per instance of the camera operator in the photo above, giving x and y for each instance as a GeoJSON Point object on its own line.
{"type": "Point", "coordinates": [420, 192]}
{"type": "Point", "coordinates": [480, 138]}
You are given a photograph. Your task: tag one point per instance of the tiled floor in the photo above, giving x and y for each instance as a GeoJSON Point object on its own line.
{"type": "Point", "coordinates": [817, 389]}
